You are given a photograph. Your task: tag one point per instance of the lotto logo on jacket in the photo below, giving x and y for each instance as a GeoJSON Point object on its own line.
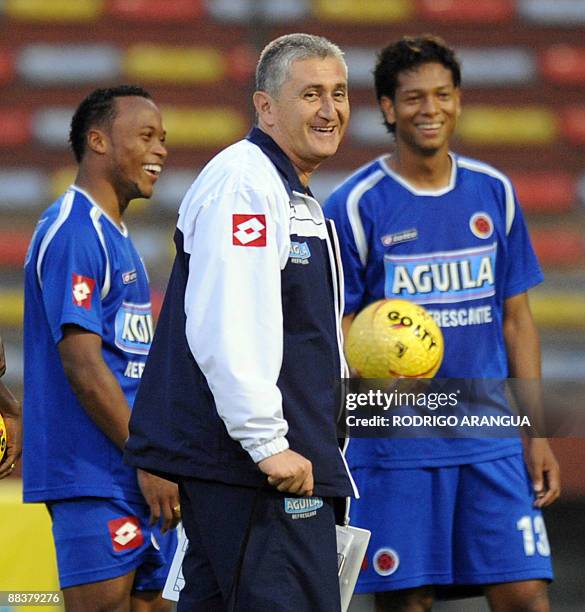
{"type": "Point", "coordinates": [134, 329]}
{"type": "Point", "coordinates": [442, 277]}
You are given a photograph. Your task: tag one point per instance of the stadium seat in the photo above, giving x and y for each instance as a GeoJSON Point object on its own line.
{"type": "Point", "coordinates": [13, 246]}
{"type": "Point", "coordinates": [51, 125]}
{"type": "Point", "coordinates": [172, 186]}
{"type": "Point", "coordinates": [241, 63]}
{"type": "Point", "coordinates": [573, 124]}
{"type": "Point", "coordinates": [60, 180]}
{"type": "Point", "coordinates": [366, 126]}
{"type": "Point", "coordinates": [15, 127]}
{"type": "Point", "coordinates": [54, 11]}
{"type": "Point", "coordinates": [471, 11]}
{"type": "Point", "coordinates": [203, 127]}
{"type": "Point", "coordinates": [6, 66]}
{"type": "Point", "coordinates": [22, 188]}
{"type": "Point", "coordinates": [502, 66]}
{"type": "Point", "coordinates": [559, 247]}
{"type": "Point", "coordinates": [581, 189]}
{"type": "Point", "coordinates": [563, 64]}
{"type": "Point", "coordinates": [267, 10]}
{"type": "Point", "coordinates": [68, 64]}
{"type": "Point", "coordinates": [508, 126]}
{"type": "Point", "coordinates": [147, 10]}
{"type": "Point", "coordinates": [545, 192]}
{"type": "Point", "coordinates": [179, 65]}
{"type": "Point", "coordinates": [360, 62]}
{"type": "Point", "coordinates": [560, 12]}
{"type": "Point", "coordinates": [365, 11]}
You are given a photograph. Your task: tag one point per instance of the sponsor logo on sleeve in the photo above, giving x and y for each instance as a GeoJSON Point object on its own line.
{"type": "Point", "coordinates": [125, 533]}
{"type": "Point", "coordinates": [249, 230]}
{"type": "Point", "coordinates": [129, 277]}
{"type": "Point", "coordinates": [82, 287]}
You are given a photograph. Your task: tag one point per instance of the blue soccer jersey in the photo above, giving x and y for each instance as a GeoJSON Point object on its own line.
{"type": "Point", "coordinates": [460, 251]}
{"type": "Point", "coordinates": [81, 269]}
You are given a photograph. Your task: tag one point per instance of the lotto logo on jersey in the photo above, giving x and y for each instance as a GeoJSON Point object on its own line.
{"type": "Point", "coordinates": [82, 288]}
{"type": "Point", "coordinates": [125, 533]}
{"type": "Point", "coordinates": [134, 329]}
{"type": "Point", "coordinates": [442, 277]}
{"type": "Point", "coordinates": [249, 230]}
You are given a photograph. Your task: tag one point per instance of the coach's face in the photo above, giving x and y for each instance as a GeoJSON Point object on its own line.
{"type": "Point", "coordinates": [309, 115]}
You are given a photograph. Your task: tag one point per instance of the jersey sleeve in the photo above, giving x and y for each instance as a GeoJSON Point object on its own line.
{"type": "Point", "coordinates": [522, 267]}
{"type": "Point", "coordinates": [335, 208]}
{"type": "Point", "coordinates": [71, 273]}
{"type": "Point", "coordinates": [233, 307]}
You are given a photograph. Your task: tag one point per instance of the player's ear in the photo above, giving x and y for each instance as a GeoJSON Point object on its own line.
{"type": "Point", "coordinates": [387, 107]}
{"type": "Point", "coordinates": [96, 141]}
{"type": "Point", "coordinates": [458, 101]}
{"type": "Point", "coordinates": [264, 105]}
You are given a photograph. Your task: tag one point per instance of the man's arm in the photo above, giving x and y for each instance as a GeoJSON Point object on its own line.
{"type": "Point", "coordinates": [346, 324]}
{"type": "Point", "coordinates": [523, 347]}
{"type": "Point", "coordinates": [102, 398]}
{"type": "Point", "coordinates": [10, 410]}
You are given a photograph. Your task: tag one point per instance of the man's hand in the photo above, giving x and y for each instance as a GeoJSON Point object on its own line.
{"type": "Point", "coordinates": [162, 497]}
{"type": "Point", "coordinates": [289, 472]}
{"type": "Point", "coordinates": [10, 410]}
{"type": "Point", "coordinates": [544, 471]}
{"type": "Point", "coordinates": [2, 359]}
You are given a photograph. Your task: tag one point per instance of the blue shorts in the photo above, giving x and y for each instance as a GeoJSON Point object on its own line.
{"type": "Point", "coordinates": [288, 562]}
{"type": "Point", "coordinates": [98, 539]}
{"type": "Point", "coordinates": [459, 525]}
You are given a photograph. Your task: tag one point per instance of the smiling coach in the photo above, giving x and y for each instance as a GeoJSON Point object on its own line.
{"type": "Point", "coordinates": [237, 401]}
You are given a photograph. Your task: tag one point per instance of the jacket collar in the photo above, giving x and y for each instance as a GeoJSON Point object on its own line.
{"type": "Point", "coordinates": [278, 157]}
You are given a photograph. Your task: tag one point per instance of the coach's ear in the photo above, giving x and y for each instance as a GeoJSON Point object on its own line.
{"type": "Point", "coordinates": [264, 105]}
{"type": "Point", "coordinates": [96, 141]}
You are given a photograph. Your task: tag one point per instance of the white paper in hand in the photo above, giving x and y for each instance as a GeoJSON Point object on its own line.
{"type": "Point", "coordinates": [175, 580]}
{"type": "Point", "coordinates": [352, 543]}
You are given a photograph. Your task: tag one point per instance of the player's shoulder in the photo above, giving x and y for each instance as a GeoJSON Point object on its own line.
{"type": "Point", "coordinates": [480, 171]}
{"type": "Point", "coordinates": [356, 185]}
{"type": "Point", "coordinates": [73, 216]}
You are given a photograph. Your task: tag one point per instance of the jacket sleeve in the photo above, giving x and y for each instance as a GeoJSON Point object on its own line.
{"type": "Point", "coordinates": [238, 242]}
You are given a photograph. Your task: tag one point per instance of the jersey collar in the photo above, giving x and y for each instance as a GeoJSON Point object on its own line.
{"type": "Point", "coordinates": [120, 228]}
{"type": "Point", "coordinates": [278, 157]}
{"type": "Point", "coordinates": [384, 163]}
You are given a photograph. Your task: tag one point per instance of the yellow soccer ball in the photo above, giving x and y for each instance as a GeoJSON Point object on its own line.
{"type": "Point", "coordinates": [2, 438]}
{"type": "Point", "coordinates": [394, 338]}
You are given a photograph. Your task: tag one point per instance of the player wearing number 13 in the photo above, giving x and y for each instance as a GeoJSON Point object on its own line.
{"type": "Point", "coordinates": [432, 227]}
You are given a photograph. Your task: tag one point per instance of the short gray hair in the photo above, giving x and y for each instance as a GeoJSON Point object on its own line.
{"type": "Point", "coordinates": [276, 58]}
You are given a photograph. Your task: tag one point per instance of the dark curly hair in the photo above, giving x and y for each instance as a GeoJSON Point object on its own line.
{"type": "Point", "coordinates": [98, 108]}
{"type": "Point", "coordinates": [409, 53]}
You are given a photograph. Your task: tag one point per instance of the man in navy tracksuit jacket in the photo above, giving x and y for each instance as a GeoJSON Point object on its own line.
{"type": "Point", "coordinates": [238, 399]}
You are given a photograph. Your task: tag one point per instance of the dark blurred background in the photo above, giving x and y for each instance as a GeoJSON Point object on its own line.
{"type": "Point", "coordinates": [523, 112]}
